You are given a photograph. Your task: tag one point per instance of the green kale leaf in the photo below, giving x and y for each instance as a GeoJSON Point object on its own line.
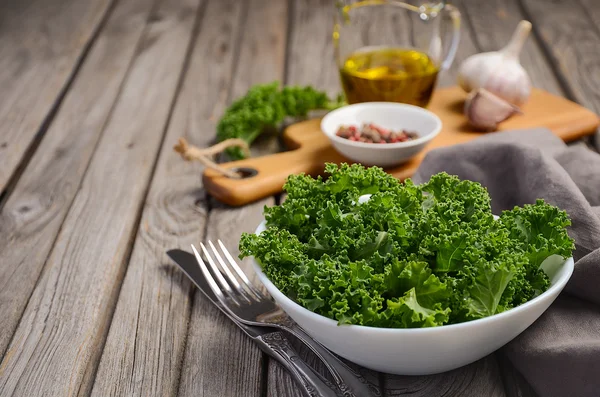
{"type": "Point", "coordinates": [363, 248]}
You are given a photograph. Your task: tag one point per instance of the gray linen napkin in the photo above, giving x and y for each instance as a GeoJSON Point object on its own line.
{"type": "Point", "coordinates": [560, 353]}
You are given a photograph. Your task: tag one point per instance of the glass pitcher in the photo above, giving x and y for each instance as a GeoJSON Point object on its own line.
{"type": "Point", "coordinates": [391, 51]}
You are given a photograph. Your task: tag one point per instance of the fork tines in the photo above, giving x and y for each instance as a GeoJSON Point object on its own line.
{"type": "Point", "coordinates": [229, 284]}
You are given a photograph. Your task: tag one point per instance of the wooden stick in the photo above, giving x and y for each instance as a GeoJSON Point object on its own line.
{"type": "Point", "coordinates": [204, 156]}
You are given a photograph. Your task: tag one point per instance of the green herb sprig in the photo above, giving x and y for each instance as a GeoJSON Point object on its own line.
{"type": "Point", "coordinates": [265, 107]}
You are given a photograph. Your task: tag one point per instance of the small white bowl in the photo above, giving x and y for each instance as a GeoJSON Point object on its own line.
{"type": "Point", "coordinates": [419, 351]}
{"type": "Point", "coordinates": [390, 115]}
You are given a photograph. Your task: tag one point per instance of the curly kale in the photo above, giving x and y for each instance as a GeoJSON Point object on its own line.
{"type": "Point", "coordinates": [265, 107]}
{"type": "Point", "coordinates": [363, 248]}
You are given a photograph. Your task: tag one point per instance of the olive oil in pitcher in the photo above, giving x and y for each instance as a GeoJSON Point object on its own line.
{"type": "Point", "coordinates": [390, 75]}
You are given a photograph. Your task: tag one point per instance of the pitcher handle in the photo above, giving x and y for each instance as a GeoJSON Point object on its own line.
{"type": "Point", "coordinates": [455, 18]}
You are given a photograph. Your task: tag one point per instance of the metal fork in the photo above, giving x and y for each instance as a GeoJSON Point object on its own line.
{"type": "Point", "coordinates": [251, 306]}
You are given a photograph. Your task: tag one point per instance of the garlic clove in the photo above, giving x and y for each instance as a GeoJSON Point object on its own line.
{"type": "Point", "coordinates": [486, 110]}
{"type": "Point", "coordinates": [511, 84]}
{"type": "Point", "coordinates": [499, 71]}
{"type": "Point", "coordinates": [477, 69]}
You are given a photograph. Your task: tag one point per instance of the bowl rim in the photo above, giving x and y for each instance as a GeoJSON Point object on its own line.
{"type": "Point", "coordinates": [415, 142]}
{"type": "Point", "coordinates": [556, 287]}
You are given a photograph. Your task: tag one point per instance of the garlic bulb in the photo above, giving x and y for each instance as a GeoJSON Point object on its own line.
{"type": "Point", "coordinates": [499, 71]}
{"type": "Point", "coordinates": [485, 110]}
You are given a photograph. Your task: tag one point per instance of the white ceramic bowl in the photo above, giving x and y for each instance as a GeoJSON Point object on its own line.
{"type": "Point", "coordinates": [420, 351]}
{"type": "Point", "coordinates": [390, 115]}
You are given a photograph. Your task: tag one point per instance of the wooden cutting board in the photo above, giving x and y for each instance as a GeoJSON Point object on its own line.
{"type": "Point", "coordinates": [310, 148]}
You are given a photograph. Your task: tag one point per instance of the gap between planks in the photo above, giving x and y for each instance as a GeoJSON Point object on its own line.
{"type": "Point", "coordinates": [181, 282]}
{"type": "Point", "coordinates": [18, 149]}
{"type": "Point", "coordinates": [263, 38]}
{"type": "Point", "coordinates": [190, 356]}
{"type": "Point", "coordinates": [67, 286]}
{"type": "Point", "coordinates": [33, 216]}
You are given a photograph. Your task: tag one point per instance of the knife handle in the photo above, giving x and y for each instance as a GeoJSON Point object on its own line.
{"type": "Point", "coordinates": [278, 347]}
{"type": "Point", "coordinates": [346, 379]}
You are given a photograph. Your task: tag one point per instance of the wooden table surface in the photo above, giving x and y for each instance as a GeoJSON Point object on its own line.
{"type": "Point", "coordinates": [93, 95]}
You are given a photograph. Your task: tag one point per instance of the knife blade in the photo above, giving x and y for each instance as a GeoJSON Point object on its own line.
{"type": "Point", "coordinates": [270, 340]}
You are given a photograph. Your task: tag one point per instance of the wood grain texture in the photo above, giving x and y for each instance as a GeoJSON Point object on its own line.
{"type": "Point", "coordinates": [478, 379]}
{"type": "Point", "coordinates": [87, 182]}
{"type": "Point", "coordinates": [145, 346]}
{"type": "Point", "coordinates": [41, 43]}
{"type": "Point", "coordinates": [33, 214]}
{"type": "Point", "coordinates": [264, 39]}
{"type": "Point", "coordinates": [593, 12]}
{"type": "Point", "coordinates": [58, 342]}
{"type": "Point", "coordinates": [573, 44]}
{"type": "Point", "coordinates": [219, 359]}
{"type": "Point", "coordinates": [570, 36]}
{"type": "Point", "coordinates": [493, 23]}
{"type": "Point", "coordinates": [310, 55]}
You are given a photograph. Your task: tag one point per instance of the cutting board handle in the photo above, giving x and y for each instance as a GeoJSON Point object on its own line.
{"type": "Point", "coordinates": [269, 175]}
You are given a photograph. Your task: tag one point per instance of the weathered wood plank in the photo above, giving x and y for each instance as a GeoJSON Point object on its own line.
{"type": "Point", "coordinates": [41, 44]}
{"type": "Point", "coordinates": [570, 36]}
{"type": "Point", "coordinates": [31, 218]}
{"type": "Point", "coordinates": [236, 367]}
{"type": "Point", "coordinates": [312, 61]}
{"type": "Point", "coordinates": [593, 12]}
{"type": "Point", "coordinates": [146, 344]}
{"type": "Point", "coordinates": [262, 57]}
{"type": "Point", "coordinates": [57, 345]}
{"type": "Point", "coordinates": [261, 60]}
{"type": "Point", "coordinates": [477, 379]}
{"type": "Point", "coordinates": [493, 23]}
{"type": "Point", "coordinates": [573, 44]}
